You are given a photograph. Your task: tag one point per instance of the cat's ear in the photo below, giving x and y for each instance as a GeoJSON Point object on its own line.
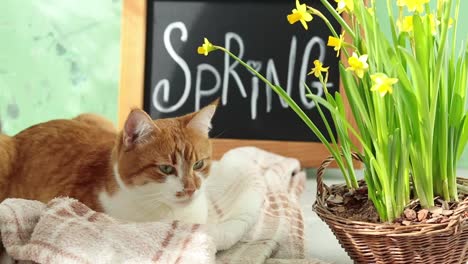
{"type": "Point", "coordinates": [201, 120]}
{"type": "Point", "coordinates": [137, 127]}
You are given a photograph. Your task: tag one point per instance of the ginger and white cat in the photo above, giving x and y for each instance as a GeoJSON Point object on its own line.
{"type": "Point", "coordinates": [151, 170]}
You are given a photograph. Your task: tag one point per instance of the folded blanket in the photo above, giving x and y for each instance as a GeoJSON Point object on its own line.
{"type": "Point", "coordinates": [254, 214]}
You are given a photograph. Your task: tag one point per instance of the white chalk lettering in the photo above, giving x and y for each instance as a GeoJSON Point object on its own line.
{"type": "Point", "coordinates": [164, 84]}
{"type": "Point", "coordinates": [291, 63]}
{"type": "Point", "coordinates": [305, 63]}
{"type": "Point", "coordinates": [230, 78]}
{"type": "Point", "coordinates": [319, 87]}
{"type": "Point", "coordinates": [254, 98]}
{"type": "Point", "coordinates": [205, 93]}
{"type": "Point", "coordinates": [229, 68]}
{"type": "Point", "coordinates": [257, 66]}
{"type": "Point", "coordinates": [272, 76]}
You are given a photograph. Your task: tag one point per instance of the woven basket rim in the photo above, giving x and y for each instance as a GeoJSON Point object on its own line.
{"type": "Point", "coordinates": [456, 222]}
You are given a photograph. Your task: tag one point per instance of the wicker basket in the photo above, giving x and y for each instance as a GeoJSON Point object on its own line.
{"type": "Point", "coordinates": [380, 243]}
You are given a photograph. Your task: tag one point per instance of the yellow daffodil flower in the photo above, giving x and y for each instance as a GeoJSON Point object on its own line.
{"type": "Point", "coordinates": [434, 23]}
{"type": "Point", "coordinates": [401, 3]}
{"type": "Point", "coordinates": [450, 22]}
{"type": "Point", "coordinates": [413, 5]}
{"type": "Point", "coordinates": [358, 64]}
{"type": "Point", "coordinates": [345, 5]}
{"type": "Point", "coordinates": [318, 69]}
{"type": "Point", "coordinates": [382, 83]}
{"type": "Point", "coordinates": [405, 24]}
{"type": "Point", "coordinates": [206, 48]}
{"type": "Point", "coordinates": [300, 14]}
{"type": "Point", "coordinates": [336, 43]}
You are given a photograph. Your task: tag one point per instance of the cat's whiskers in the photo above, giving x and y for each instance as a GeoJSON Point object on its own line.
{"type": "Point", "coordinates": [150, 198]}
{"type": "Point", "coordinates": [151, 206]}
{"type": "Point", "coordinates": [152, 201]}
{"type": "Point", "coordinates": [150, 195]}
{"type": "Point", "coordinates": [219, 134]}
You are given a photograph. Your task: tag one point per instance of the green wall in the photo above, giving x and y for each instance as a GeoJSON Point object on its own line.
{"type": "Point", "coordinates": [58, 58]}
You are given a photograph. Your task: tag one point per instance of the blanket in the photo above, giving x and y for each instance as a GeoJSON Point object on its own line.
{"type": "Point", "coordinates": [254, 212]}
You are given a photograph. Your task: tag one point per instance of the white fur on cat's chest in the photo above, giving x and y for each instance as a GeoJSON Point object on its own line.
{"type": "Point", "coordinates": [154, 202]}
{"type": "Point", "coordinates": [130, 205]}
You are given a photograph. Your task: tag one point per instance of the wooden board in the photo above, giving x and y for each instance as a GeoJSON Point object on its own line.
{"type": "Point", "coordinates": [132, 82]}
{"type": "Point", "coordinates": [132, 57]}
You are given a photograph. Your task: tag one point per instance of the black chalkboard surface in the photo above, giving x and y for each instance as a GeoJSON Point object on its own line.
{"type": "Point", "coordinates": [178, 80]}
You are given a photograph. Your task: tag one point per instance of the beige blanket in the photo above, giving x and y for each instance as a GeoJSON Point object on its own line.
{"type": "Point", "coordinates": [254, 204]}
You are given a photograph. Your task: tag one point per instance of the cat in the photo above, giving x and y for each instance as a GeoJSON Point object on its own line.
{"type": "Point", "coordinates": [151, 170]}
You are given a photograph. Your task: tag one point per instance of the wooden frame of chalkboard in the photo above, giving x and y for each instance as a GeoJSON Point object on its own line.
{"type": "Point", "coordinates": [132, 82]}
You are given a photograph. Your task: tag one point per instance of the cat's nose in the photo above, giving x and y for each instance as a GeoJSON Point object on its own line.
{"type": "Point", "coordinates": [189, 192]}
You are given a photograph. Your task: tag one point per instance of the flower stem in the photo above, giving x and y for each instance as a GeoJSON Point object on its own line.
{"type": "Point", "coordinates": [286, 97]}
{"type": "Point", "coordinates": [339, 18]}
{"type": "Point", "coordinates": [327, 22]}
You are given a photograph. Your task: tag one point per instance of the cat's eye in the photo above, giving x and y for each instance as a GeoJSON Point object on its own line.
{"type": "Point", "coordinates": [166, 169]}
{"type": "Point", "coordinates": [198, 165]}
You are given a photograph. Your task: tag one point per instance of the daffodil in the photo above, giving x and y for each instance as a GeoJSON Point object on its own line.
{"type": "Point", "coordinates": [358, 64]}
{"type": "Point", "coordinates": [434, 23]}
{"type": "Point", "coordinates": [318, 69]}
{"type": "Point", "coordinates": [300, 14]}
{"type": "Point", "coordinates": [336, 43]}
{"type": "Point", "coordinates": [382, 83]}
{"type": "Point", "coordinates": [206, 48]}
{"type": "Point", "coordinates": [345, 5]}
{"type": "Point", "coordinates": [450, 22]}
{"type": "Point", "coordinates": [413, 5]}
{"type": "Point", "coordinates": [405, 24]}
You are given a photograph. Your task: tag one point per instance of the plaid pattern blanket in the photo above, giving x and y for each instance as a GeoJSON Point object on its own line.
{"type": "Point", "coordinates": [269, 230]}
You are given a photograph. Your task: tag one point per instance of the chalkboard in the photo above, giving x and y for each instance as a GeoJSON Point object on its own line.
{"type": "Point", "coordinates": [159, 44]}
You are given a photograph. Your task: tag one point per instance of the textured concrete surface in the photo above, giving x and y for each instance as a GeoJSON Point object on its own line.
{"type": "Point", "coordinates": [320, 241]}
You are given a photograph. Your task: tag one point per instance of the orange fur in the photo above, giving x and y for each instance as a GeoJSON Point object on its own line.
{"type": "Point", "coordinates": [95, 120]}
{"type": "Point", "coordinates": [7, 158]}
{"type": "Point", "coordinates": [76, 157]}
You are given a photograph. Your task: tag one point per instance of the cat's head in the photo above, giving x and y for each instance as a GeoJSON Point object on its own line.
{"type": "Point", "coordinates": [165, 159]}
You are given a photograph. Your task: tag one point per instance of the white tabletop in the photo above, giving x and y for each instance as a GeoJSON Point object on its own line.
{"type": "Point", "coordinates": [320, 241]}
